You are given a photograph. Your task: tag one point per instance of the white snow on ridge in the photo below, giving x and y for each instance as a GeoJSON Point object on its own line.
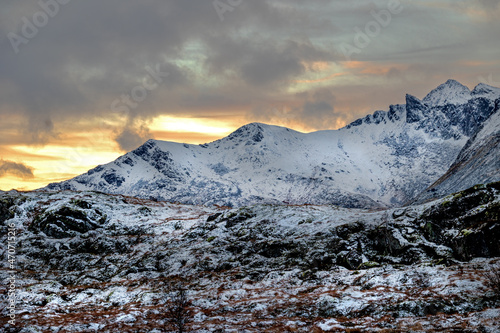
{"type": "Point", "coordinates": [487, 91]}
{"type": "Point", "coordinates": [383, 159]}
{"type": "Point", "coordinates": [283, 165]}
{"type": "Point", "coordinates": [450, 92]}
{"type": "Point", "coordinates": [453, 92]}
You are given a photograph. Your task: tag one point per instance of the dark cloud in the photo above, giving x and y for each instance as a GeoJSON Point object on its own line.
{"type": "Point", "coordinates": [92, 53]}
{"type": "Point", "coordinates": [15, 169]}
{"type": "Point", "coordinates": [267, 67]}
{"type": "Point", "coordinates": [318, 109]}
{"type": "Point", "coordinates": [258, 61]}
{"type": "Point", "coordinates": [40, 130]}
{"type": "Point", "coordinates": [131, 137]}
{"type": "Point", "coordinates": [312, 109]}
{"type": "Point", "coordinates": [319, 114]}
{"type": "Point", "coordinates": [490, 4]}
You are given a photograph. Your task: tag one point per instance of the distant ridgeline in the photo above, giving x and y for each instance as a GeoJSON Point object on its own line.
{"type": "Point", "coordinates": [385, 159]}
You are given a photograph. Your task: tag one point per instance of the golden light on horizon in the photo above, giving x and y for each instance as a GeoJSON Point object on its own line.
{"type": "Point", "coordinates": [55, 162]}
{"type": "Point", "coordinates": [78, 151]}
{"type": "Point", "coordinates": [204, 126]}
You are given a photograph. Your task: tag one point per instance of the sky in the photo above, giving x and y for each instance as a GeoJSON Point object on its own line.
{"type": "Point", "coordinates": [83, 82]}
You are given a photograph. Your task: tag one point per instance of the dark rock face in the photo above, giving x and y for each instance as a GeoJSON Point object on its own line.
{"type": "Point", "coordinates": [112, 179]}
{"type": "Point", "coordinates": [68, 221]}
{"type": "Point", "coordinates": [253, 130]}
{"type": "Point", "coordinates": [474, 113]}
{"type": "Point", "coordinates": [233, 219]}
{"type": "Point", "coordinates": [461, 227]}
{"type": "Point", "coordinates": [450, 120]}
{"type": "Point", "coordinates": [480, 241]}
{"type": "Point", "coordinates": [415, 109]}
{"type": "Point", "coordinates": [143, 151]}
{"type": "Point", "coordinates": [161, 160]}
{"type": "Point", "coordinates": [477, 163]}
{"type": "Point", "coordinates": [477, 230]}
{"type": "Point", "coordinates": [5, 211]}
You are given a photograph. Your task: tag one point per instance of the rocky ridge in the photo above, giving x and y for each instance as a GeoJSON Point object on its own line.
{"type": "Point", "coordinates": [90, 261]}
{"type": "Point", "coordinates": [382, 160]}
{"type": "Point", "coordinates": [477, 163]}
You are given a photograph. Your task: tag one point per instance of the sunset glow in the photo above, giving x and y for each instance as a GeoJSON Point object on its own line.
{"type": "Point", "coordinates": [64, 159]}
{"type": "Point", "coordinates": [206, 127]}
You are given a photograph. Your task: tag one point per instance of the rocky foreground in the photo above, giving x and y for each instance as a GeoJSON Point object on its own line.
{"type": "Point", "coordinates": [92, 262]}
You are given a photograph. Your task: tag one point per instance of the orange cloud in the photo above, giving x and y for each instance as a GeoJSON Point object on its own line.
{"type": "Point", "coordinates": [327, 78]}
{"type": "Point", "coordinates": [372, 68]}
{"type": "Point", "coordinates": [476, 63]}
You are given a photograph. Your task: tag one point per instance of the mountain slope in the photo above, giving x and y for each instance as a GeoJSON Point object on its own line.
{"type": "Point", "coordinates": [383, 159]}
{"type": "Point", "coordinates": [477, 163]}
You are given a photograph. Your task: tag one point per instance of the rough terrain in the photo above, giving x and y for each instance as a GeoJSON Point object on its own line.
{"type": "Point", "coordinates": [92, 262]}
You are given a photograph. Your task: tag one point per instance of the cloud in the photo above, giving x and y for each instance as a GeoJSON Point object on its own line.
{"type": "Point", "coordinates": [15, 169]}
{"type": "Point", "coordinates": [131, 137]}
{"type": "Point", "coordinates": [318, 110]}
{"type": "Point", "coordinates": [259, 62]}
{"type": "Point", "coordinates": [490, 4]}
{"type": "Point", "coordinates": [94, 52]}
{"type": "Point", "coordinates": [310, 110]}
{"type": "Point", "coordinates": [40, 130]}
{"type": "Point", "coordinates": [266, 68]}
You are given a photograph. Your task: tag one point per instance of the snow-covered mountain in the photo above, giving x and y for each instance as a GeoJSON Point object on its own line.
{"type": "Point", "coordinates": [477, 163]}
{"type": "Point", "coordinates": [383, 159]}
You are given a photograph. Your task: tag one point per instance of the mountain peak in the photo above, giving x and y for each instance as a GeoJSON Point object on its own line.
{"type": "Point", "coordinates": [255, 131]}
{"type": "Point", "coordinates": [450, 92]}
{"type": "Point", "coordinates": [485, 90]}
{"type": "Point", "coordinates": [255, 126]}
{"type": "Point", "coordinates": [454, 84]}
{"type": "Point", "coordinates": [252, 133]}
